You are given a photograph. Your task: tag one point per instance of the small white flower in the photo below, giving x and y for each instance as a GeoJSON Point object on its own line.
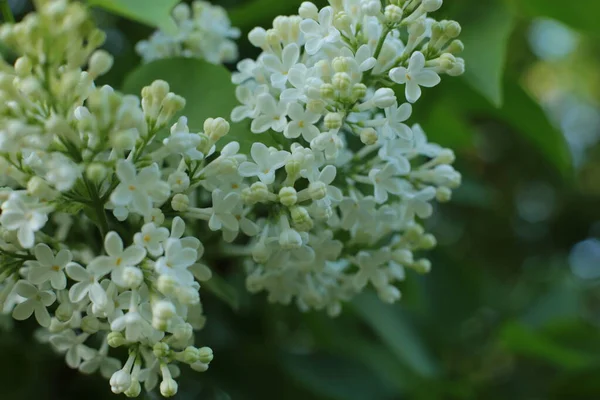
{"type": "Point", "coordinates": [417, 203]}
{"type": "Point", "coordinates": [370, 268]}
{"type": "Point", "coordinates": [272, 114]}
{"type": "Point", "coordinates": [385, 181]}
{"type": "Point", "coordinates": [394, 118]}
{"type": "Point", "coordinates": [87, 284]}
{"type": "Point", "coordinates": [117, 258]}
{"type": "Point", "coordinates": [152, 237]}
{"type": "Point", "coordinates": [176, 261]}
{"type": "Point", "coordinates": [280, 67]}
{"type": "Point", "coordinates": [329, 143]}
{"type": "Point", "coordinates": [71, 344]}
{"type": "Point", "coordinates": [139, 190]}
{"type": "Point", "coordinates": [317, 34]}
{"type": "Point", "coordinates": [302, 123]}
{"type": "Point", "coordinates": [36, 302]}
{"type": "Point", "coordinates": [415, 76]}
{"type": "Point", "coordinates": [23, 216]}
{"type": "Point", "coordinates": [181, 141]}
{"type": "Point", "coordinates": [266, 162]}
{"type": "Point", "coordinates": [49, 267]}
{"type": "Point", "coordinates": [223, 205]}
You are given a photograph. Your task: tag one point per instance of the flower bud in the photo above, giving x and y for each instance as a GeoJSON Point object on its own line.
{"type": "Point", "coordinates": [100, 63]}
{"type": "Point", "coordinates": [402, 256]}
{"type": "Point", "coordinates": [317, 190]}
{"type": "Point", "coordinates": [341, 81]}
{"type": "Point", "coordinates": [188, 295]}
{"type": "Point", "coordinates": [301, 218]}
{"type": "Point", "coordinates": [452, 29]}
{"type": "Point", "coordinates": [333, 120]}
{"type": "Point", "coordinates": [216, 128]}
{"type": "Point", "coordinates": [368, 136]}
{"type": "Point", "coordinates": [259, 192]}
{"type": "Point", "coordinates": [133, 277]}
{"type": "Point", "coordinates": [183, 332]}
{"type": "Point", "coordinates": [23, 66]}
{"type": "Point", "coordinates": [393, 13]}
{"type": "Point", "coordinates": [181, 12]}
{"type": "Point", "coordinates": [384, 97]}
{"type": "Point", "coordinates": [115, 339]}
{"type": "Point", "coordinates": [120, 381]}
{"type": "Point", "coordinates": [180, 202]}
{"type": "Point", "coordinates": [161, 350]}
{"type": "Point", "coordinates": [260, 253]}
{"type": "Point", "coordinates": [389, 294]}
{"type": "Point", "coordinates": [359, 90]}
{"type": "Point", "coordinates": [288, 196]}
{"type": "Point", "coordinates": [90, 324]}
{"type": "Point", "coordinates": [190, 355]}
{"type": "Point", "coordinates": [124, 140]}
{"type": "Point", "coordinates": [455, 47]}
{"type": "Point", "coordinates": [308, 10]}
{"type": "Point", "coordinates": [342, 21]}
{"type": "Point", "coordinates": [371, 7]}
{"type": "Point", "coordinates": [340, 64]}
{"type": "Point", "coordinates": [443, 194]}
{"type": "Point", "coordinates": [431, 5]}
{"type": "Point", "coordinates": [290, 239]}
{"type": "Point", "coordinates": [316, 106]}
{"type": "Point", "coordinates": [327, 90]}
{"type": "Point", "coordinates": [258, 37]}
{"type": "Point", "coordinates": [168, 387]}
{"type": "Point", "coordinates": [64, 312]}
{"type": "Point", "coordinates": [428, 241]}
{"type": "Point", "coordinates": [205, 355]}
{"type": "Point", "coordinates": [96, 172]}
{"type": "Point", "coordinates": [199, 366]}
{"type": "Point", "coordinates": [167, 284]}
{"type": "Point", "coordinates": [134, 390]}
{"type": "Point", "coordinates": [422, 266]}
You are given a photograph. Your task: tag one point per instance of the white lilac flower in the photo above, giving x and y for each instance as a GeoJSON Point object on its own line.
{"type": "Point", "coordinates": [221, 216]}
{"type": "Point", "coordinates": [302, 123]}
{"type": "Point", "coordinates": [318, 33]}
{"type": "Point", "coordinates": [139, 190]}
{"type": "Point", "coordinates": [280, 67]}
{"type": "Point", "coordinates": [87, 285]}
{"type": "Point", "coordinates": [394, 122]}
{"type": "Point", "coordinates": [271, 114]}
{"type": "Point", "coordinates": [415, 76]}
{"type": "Point", "coordinates": [117, 257]}
{"type": "Point", "coordinates": [49, 267]}
{"type": "Point", "coordinates": [36, 302]}
{"type": "Point", "coordinates": [152, 238]}
{"type": "Point", "coordinates": [24, 216]}
{"type": "Point", "coordinates": [266, 163]}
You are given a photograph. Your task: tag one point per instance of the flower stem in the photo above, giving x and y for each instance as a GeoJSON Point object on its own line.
{"type": "Point", "coordinates": [7, 14]}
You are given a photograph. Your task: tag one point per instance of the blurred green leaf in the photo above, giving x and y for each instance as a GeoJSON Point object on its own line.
{"type": "Point", "coordinates": [581, 15]}
{"type": "Point", "coordinates": [156, 13]}
{"type": "Point", "coordinates": [334, 377]}
{"type": "Point", "coordinates": [396, 332]}
{"type": "Point", "coordinates": [208, 92]}
{"type": "Point", "coordinates": [526, 342]}
{"type": "Point", "coordinates": [486, 42]}
{"type": "Point", "coordinates": [522, 113]}
{"type": "Point", "coordinates": [223, 290]}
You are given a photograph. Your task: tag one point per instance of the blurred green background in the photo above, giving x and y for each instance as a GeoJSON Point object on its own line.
{"type": "Point", "coordinates": [511, 309]}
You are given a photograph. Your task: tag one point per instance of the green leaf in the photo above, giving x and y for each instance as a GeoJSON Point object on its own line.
{"type": "Point", "coordinates": [523, 341]}
{"type": "Point", "coordinates": [223, 290]}
{"type": "Point", "coordinates": [521, 112]}
{"type": "Point", "coordinates": [581, 15]}
{"type": "Point", "coordinates": [486, 42]}
{"type": "Point", "coordinates": [396, 332]}
{"type": "Point", "coordinates": [207, 89]}
{"type": "Point", "coordinates": [156, 13]}
{"type": "Point", "coordinates": [334, 377]}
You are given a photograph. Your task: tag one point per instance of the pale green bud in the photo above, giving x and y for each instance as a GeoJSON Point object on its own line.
{"type": "Point", "coordinates": [301, 218]}
{"type": "Point", "coordinates": [308, 10]}
{"type": "Point", "coordinates": [161, 350]}
{"type": "Point", "coordinates": [216, 128]}
{"type": "Point", "coordinates": [452, 29]}
{"type": "Point", "coordinates": [100, 63]}
{"type": "Point", "coordinates": [168, 387]}
{"type": "Point", "coordinates": [115, 339]}
{"type": "Point", "coordinates": [428, 241]}
{"type": "Point", "coordinates": [288, 196]}
{"type": "Point", "coordinates": [134, 390]}
{"type": "Point", "coordinates": [327, 90]}
{"type": "Point", "coordinates": [180, 202]}
{"type": "Point", "coordinates": [431, 5]}
{"type": "Point", "coordinates": [23, 66]}
{"type": "Point", "coordinates": [422, 266]}
{"type": "Point", "coordinates": [205, 355]}
{"type": "Point", "coordinates": [368, 136]}
{"type": "Point", "coordinates": [317, 190]}
{"type": "Point", "coordinates": [393, 13]}
{"type": "Point", "coordinates": [340, 64]}
{"type": "Point", "coordinates": [190, 355]}
{"type": "Point", "coordinates": [64, 312]}
{"type": "Point", "coordinates": [124, 140]}
{"type": "Point", "coordinates": [90, 324]}
{"type": "Point", "coordinates": [333, 121]}
{"type": "Point", "coordinates": [167, 284]}
{"type": "Point", "coordinates": [359, 90]}
{"type": "Point", "coordinates": [96, 172]}
{"type": "Point", "coordinates": [342, 21]}
{"type": "Point", "coordinates": [341, 81]}
{"type": "Point", "coordinates": [443, 194]}
{"type": "Point", "coordinates": [316, 106]}
{"type": "Point", "coordinates": [260, 192]}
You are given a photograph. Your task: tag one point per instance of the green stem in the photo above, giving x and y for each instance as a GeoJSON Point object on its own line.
{"type": "Point", "coordinates": [7, 12]}
{"type": "Point", "coordinates": [97, 206]}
